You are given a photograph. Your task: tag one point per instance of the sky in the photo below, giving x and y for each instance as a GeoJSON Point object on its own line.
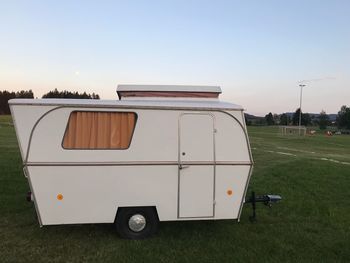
{"type": "Point", "coordinates": [256, 51]}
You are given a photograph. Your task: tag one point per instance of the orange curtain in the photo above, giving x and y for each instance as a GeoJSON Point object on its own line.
{"type": "Point", "coordinates": [99, 130]}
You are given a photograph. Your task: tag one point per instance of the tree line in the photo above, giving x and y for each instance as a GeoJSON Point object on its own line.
{"type": "Point", "coordinates": [70, 95]}
{"type": "Point", "coordinates": [322, 120]}
{"type": "Point", "coordinates": [5, 96]}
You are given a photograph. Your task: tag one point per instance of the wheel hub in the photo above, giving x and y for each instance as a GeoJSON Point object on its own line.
{"type": "Point", "coordinates": [137, 223]}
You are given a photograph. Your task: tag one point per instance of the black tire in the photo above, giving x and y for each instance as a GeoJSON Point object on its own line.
{"type": "Point", "coordinates": [122, 222]}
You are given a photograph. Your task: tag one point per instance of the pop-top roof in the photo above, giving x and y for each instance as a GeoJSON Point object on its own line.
{"type": "Point", "coordinates": [215, 89]}
{"type": "Point", "coordinates": [169, 91]}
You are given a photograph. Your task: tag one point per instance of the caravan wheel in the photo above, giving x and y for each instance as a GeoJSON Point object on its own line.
{"type": "Point", "coordinates": [136, 222]}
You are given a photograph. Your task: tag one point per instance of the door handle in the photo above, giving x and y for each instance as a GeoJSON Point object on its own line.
{"type": "Point", "coordinates": [181, 167]}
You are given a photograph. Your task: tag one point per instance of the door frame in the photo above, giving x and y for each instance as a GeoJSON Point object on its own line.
{"type": "Point", "coordinates": [196, 163]}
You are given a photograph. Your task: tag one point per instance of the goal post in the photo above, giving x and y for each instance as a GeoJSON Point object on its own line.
{"type": "Point", "coordinates": [292, 130]}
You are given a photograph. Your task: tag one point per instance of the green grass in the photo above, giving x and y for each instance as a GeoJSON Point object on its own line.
{"type": "Point", "coordinates": [310, 224]}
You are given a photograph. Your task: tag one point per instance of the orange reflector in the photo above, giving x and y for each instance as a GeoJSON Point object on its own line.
{"type": "Point", "coordinates": [229, 192]}
{"type": "Point", "coordinates": [60, 197]}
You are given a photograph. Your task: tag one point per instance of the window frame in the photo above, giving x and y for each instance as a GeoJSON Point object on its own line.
{"type": "Point", "coordinates": [99, 149]}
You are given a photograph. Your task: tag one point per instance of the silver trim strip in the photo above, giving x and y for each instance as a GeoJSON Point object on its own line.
{"type": "Point", "coordinates": [145, 163]}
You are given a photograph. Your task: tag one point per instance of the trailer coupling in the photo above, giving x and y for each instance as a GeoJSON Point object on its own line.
{"type": "Point", "coordinates": [268, 200]}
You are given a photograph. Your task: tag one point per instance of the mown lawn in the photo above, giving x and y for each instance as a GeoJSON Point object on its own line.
{"type": "Point", "coordinates": [311, 224]}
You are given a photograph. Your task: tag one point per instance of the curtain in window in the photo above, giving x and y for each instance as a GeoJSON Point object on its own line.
{"type": "Point", "coordinates": [99, 130]}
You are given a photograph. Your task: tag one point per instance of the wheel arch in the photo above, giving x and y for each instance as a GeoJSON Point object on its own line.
{"type": "Point", "coordinates": [120, 208]}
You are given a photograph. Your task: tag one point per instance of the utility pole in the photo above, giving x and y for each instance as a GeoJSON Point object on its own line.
{"type": "Point", "coordinates": [301, 98]}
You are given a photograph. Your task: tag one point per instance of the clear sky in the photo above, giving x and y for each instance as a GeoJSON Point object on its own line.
{"type": "Point", "coordinates": [257, 51]}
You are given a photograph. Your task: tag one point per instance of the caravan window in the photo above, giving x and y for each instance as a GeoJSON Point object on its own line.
{"type": "Point", "coordinates": [99, 130]}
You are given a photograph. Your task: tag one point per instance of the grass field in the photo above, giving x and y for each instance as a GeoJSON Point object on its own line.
{"type": "Point", "coordinates": [311, 223]}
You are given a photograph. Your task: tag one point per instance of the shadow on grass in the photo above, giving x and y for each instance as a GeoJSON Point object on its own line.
{"type": "Point", "coordinates": [174, 229]}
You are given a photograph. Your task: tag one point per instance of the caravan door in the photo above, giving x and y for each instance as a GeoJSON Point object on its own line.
{"type": "Point", "coordinates": [196, 166]}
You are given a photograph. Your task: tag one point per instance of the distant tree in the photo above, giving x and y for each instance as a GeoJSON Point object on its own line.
{"type": "Point", "coordinates": [52, 94]}
{"type": "Point", "coordinates": [5, 96]}
{"type": "Point", "coordinates": [247, 121]}
{"type": "Point", "coordinates": [70, 95]}
{"type": "Point", "coordinates": [295, 118]}
{"type": "Point", "coordinates": [343, 118]}
{"type": "Point", "coordinates": [269, 119]}
{"type": "Point", "coordinates": [95, 96]}
{"type": "Point", "coordinates": [305, 118]}
{"type": "Point", "coordinates": [276, 118]}
{"type": "Point", "coordinates": [323, 120]}
{"type": "Point", "coordinates": [314, 121]}
{"type": "Point", "coordinates": [259, 121]}
{"type": "Point", "coordinates": [25, 94]}
{"type": "Point", "coordinates": [85, 96]}
{"type": "Point", "coordinates": [284, 119]}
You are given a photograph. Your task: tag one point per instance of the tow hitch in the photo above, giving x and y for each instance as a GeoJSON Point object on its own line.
{"type": "Point", "coordinates": [268, 200]}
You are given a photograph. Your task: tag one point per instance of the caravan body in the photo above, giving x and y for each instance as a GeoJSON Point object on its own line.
{"type": "Point", "coordinates": [177, 149]}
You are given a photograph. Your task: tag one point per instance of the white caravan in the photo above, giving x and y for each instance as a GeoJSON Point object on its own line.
{"type": "Point", "coordinates": [160, 153]}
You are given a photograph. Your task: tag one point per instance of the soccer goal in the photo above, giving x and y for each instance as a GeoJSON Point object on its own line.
{"type": "Point", "coordinates": [292, 130]}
